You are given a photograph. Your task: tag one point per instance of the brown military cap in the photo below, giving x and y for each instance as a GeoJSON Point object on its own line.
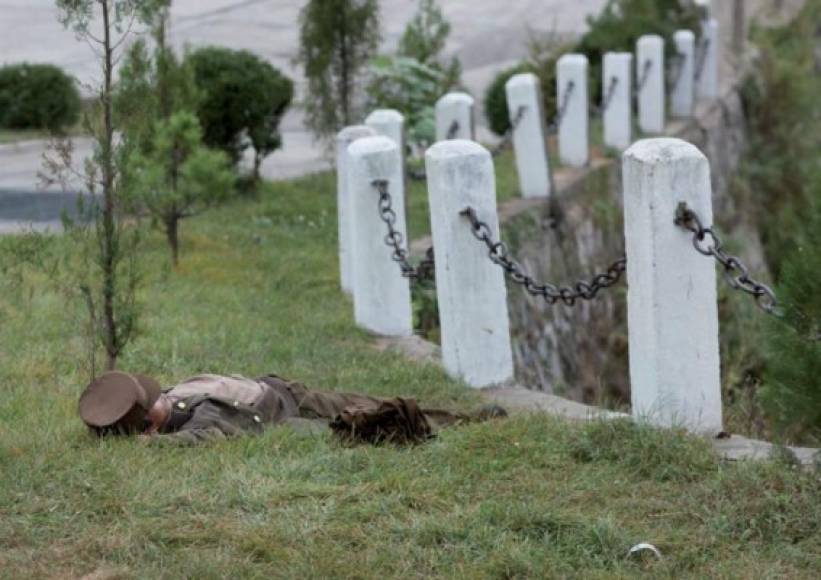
{"type": "Point", "coordinates": [111, 396]}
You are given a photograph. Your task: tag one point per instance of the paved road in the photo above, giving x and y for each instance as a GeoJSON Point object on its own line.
{"type": "Point", "coordinates": [486, 35]}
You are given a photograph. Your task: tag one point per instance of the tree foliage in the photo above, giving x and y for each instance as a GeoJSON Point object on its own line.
{"type": "Point", "coordinates": [337, 40]}
{"type": "Point", "coordinates": [37, 96]}
{"type": "Point", "coordinates": [243, 101]}
{"type": "Point", "coordinates": [106, 276]}
{"type": "Point", "coordinates": [620, 24]}
{"type": "Point", "coordinates": [168, 171]}
{"type": "Point", "coordinates": [425, 38]}
{"type": "Point", "coordinates": [176, 176]}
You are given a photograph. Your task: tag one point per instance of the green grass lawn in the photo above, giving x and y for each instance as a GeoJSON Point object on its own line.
{"type": "Point", "coordinates": [257, 292]}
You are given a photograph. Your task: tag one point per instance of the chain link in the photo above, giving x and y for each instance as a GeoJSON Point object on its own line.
{"type": "Point", "coordinates": [645, 74]}
{"type": "Point", "coordinates": [395, 240]}
{"type": "Point", "coordinates": [708, 243]}
{"type": "Point", "coordinates": [704, 47]}
{"type": "Point", "coordinates": [500, 255]}
{"type": "Point", "coordinates": [562, 111]}
{"type": "Point", "coordinates": [611, 92]}
{"type": "Point", "coordinates": [453, 130]}
{"type": "Point", "coordinates": [507, 138]}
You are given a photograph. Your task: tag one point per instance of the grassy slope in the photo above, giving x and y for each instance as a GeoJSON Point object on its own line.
{"type": "Point", "coordinates": [257, 292]}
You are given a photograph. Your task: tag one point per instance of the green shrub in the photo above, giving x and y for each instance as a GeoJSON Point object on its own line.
{"type": "Point", "coordinates": [496, 111]}
{"type": "Point", "coordinates": [37, 96]}
{"type": "Point", "coordinates": [243, 101]}
{"type": "Point", "coordinates": [792, 394]}
{"type": "Point", "coordinates": [622, 22]}
{"type": "Point", "coordinates": [542, 62]}
{"type": "Point", "coordinates": [410, 87]}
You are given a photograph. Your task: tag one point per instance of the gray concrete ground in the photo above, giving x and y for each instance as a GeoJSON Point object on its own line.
{"type": "Point", "coordinates": [486, 35]}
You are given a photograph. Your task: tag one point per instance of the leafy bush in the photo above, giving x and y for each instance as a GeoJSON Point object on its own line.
{"type": "Point", "coordinates": [425, 38]}
{"type": "Point", "coordinates": [37, 96]}
{"type": "Point", "coordinates": [410, 87]}
{"type": "Point", "coordinates": [622, 22]}
{"type": "Point", "coordinates": [413, 80]}
{"type": "Point", "coordinates": [243, 101]}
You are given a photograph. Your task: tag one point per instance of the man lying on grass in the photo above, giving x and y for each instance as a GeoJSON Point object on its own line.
{"type": "Point", "coordinates": [208, 407]}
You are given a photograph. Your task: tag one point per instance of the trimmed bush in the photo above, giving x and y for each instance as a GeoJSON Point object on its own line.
{"type": "Point", "coordinates": [243, 101]}
{"type": "Point", "coordinates": [496, 110]}
{"type": "Point", "coordinates": [37, 96]}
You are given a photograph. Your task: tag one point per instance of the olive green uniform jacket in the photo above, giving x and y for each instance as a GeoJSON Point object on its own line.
{"type": "Point", "coordinates": [198, 415]}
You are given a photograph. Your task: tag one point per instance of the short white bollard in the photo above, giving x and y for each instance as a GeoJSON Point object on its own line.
{"type": "Point", "coordinates": [455, 117]}
{"type": "Point", "coordinates": [617, 99]}
{"type": "Point", "coordinates": [573, 110]}
{"type": "Point", "coordinates": [650, 77]}
{"type": "Point", "coordinates": [525, 104]}
{"type": "Point", "coordinates": [672, 298]}
{"type": "Point", "coordinates": [343, 139]}
{"type": "Point", "coordinates": [707, 61]}
{"type": "Point", "coordinates": [381, 296]}
{"type": "Point", "coordinates": [682, 91]}
{"type": "Point", "coordinates": [390, 123]}
{"type": "Point", "coordinates": [471, 289]}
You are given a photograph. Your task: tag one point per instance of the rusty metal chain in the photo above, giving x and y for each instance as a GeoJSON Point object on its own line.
{"type": "Point", "coordinates": [453, 130]}
{"type": "Point", "coordinates": [500, 255]}
{"type": "Point", "coordinates": [645, 74]}
{"type": "Point", "coordinates": [395, 240]}
{"type": "Point", "coordinates": [562, 111]}
{"type": "Point", "coordinates": [707, 243]}
{"type": "Point", "coordinates": [507, 138]}
{"type": "Point", "coordinates": [704, 47]}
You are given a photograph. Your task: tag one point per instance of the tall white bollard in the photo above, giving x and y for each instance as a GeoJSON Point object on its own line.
{"type": "Point", "coordinates": [455, 117]}
{"type": "Point", "coordinates": [343, 139]}
{"type": "Point", "coordinates": [617, 99]}
{"type": "Point", "coordinates": [707, 61]}
{"type": "Point", "coordinates": [524, 102]}
{"type": "Point", "coordinates": [682, 91]}
{"type": "Point", "coordinates": [650, 83]}
{"type": "Point", "coordinates": [470, 288]}
{"type": "Point", "coordinates": [672, 299]}
{"type": "Point", "coordinates": [573, 113]}
{"type": "Point", "coordinates": [390, 123]}
{"type": "Point", "coordinates": [381, 296]}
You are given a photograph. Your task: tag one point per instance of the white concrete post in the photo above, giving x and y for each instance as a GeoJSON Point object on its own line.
{"type": "Point", "coordinates": [470, 288]}
{"type": "Point", "coordinates": [707, 67]}
{"type": "Point", "coordinates": [672, 298]}
{"type": "Point", "coordinates": [382, 300]}
{"type": "Point", "coordinates": [574, 146]}
{"type": "Point", "coordinates": [650, 78]}
{"type": "Point", "coordinates": [529, 140]}
{"type": "Point", "coordinates": [343, 139]}
{"type": "Point", "coordinates": [455, 114]}
{"type": "Point", "coordinates": [390, 123]}
{"type": "Point", "coordinates": [617, 85]}
{"type": "Point", "coordinates": [683, 91]}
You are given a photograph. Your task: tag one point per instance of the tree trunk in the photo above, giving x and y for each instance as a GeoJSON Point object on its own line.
{"type": "Point", "coordinates": [172, 234]}
{"type": "Point", "coordinates": [109, 234]}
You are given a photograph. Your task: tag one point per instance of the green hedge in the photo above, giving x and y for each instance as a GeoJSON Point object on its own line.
{"type": "Point", "coordinates": [38, 96]}
{"type": "Point", "coordinates": [244, 98]}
